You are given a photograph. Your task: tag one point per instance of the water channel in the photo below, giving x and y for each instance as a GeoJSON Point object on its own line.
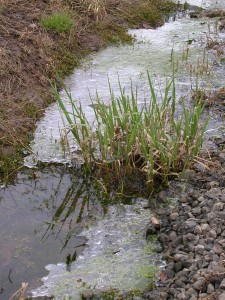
{"type": "Point", "coordinates": [51, 211]}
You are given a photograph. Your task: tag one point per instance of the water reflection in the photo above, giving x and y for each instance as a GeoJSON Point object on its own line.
{"type": "Point", "coordinates": [40, 218]}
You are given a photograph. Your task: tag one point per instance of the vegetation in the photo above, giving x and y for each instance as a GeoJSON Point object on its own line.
{"type": "Point", "coordinates": [59, 22]}
{"type": "Point", "coordinates": [153, 140]}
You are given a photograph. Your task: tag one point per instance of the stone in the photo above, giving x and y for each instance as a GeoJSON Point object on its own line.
{"type": "Point", "coordinates": [164, 296]}
{"type": "Point", "coordinates": [222, 296]}
{"type": "Point", "coordinates": [155, 222]}
{"type": "Point", "coordinates": [174, 216]}
{"type": "Point", "coordinates": [222, 285]}
{"type": "Point", "coordinates": [199, 249]}
{"type": "Point", "coordinates": [198, 229]}
{"type": "Point", "coordinates": [218, 206]}
{"type": "Point", "coordinates": [178, 266]}
{"type": "Point", "coordinates": [212, 233]}
{"type": "Point", "coordinates": [190, 223]}
{"type": "Point", "coordinates": [210, 288]}
{"type": "Point", "coordinates": [173, 236]}
{"type": "Point", "coordinates": [217, 249]}
{"type": "Point", "coordinates": [87, 295]}
{"type": "Point", "coordinates": [196, 211]}
{"type": "Point", "coordinates": [211, 215]}
{"type": "Point", "coordinates": [190, 237]}
{"type": "Point", "coordinates": [191, 292]}
{"type": "Point", "coordinates": [205, 228]}
{"type": "Point", "coordinates": [199, 284]}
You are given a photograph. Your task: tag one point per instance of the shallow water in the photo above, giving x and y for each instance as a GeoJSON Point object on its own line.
{"type": "Point", "coordinates": [41, 215]}
{"type": "Point", "coordinates": [117, 256]}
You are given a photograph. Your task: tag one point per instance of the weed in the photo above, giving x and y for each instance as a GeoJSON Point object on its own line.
{"type": "Point", "coordinates": [128, 139]}
{"type": "Point", "coordinates": [59, 22]}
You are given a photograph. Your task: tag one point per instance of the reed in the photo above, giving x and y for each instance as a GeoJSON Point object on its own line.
{"type": "Point", "coordinates": [154, 139]}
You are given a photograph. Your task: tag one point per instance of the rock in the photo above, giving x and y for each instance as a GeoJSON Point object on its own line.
{"type": "Point", "coordinates": [222, 296]}
{"type": "Point", "coordinates": [174, 216]}
{"type": "Point", "coordinates": [178, 266]}
{"type": "Point", "coordinates": [218, 206]}
{"type": "Point", "coordinates": [199, 249]}
{"type": "Point", "coordinates": [183, 200]}
{"type": "Point", "coordinates": [163, 296]}
{"type": "Point", "coordinates": [190, 237]}
{"type": "Point", "coordinates": [210, 288]}
{"type": "Point", "coordinates": [191, 292]}
{"type": "Point", "coordinates": [199, 284]}
{"type": "Point", "coordinates": [196, 211]}
{"type": "Point", "coordinates": [217, 249]}
{"type": "Point", "coordinates": [190, 223]}
{"type": "Point", "coordinates": [162, 196]}
{"type": "Point", "coordinates": [222, 285]}
{"type": "Point", "coordinates": [173, 236]}
{"type": "Point", "coordinates": [212, 233]}
{"type": "Point", "coordinates": [198, 229]}
{"type": "Point", "coordinates": [188, 174]}
{"type": "Point", "coordinates": [155, 222]}
{"type": "Point", "coordinates": [87, 295]}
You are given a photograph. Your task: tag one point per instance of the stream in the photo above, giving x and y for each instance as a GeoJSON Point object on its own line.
{"type": "Point", "coordinates": [52, 210]}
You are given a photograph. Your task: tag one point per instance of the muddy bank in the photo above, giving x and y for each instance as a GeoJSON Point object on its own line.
{"type": "Point", "coordinates": [32, 56]}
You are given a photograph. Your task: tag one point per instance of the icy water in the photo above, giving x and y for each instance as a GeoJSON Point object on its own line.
{"type": "Point", "coordinates": [47, 213]}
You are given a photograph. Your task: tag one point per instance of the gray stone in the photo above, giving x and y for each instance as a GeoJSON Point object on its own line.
{"type": "Point", "coordinates": [222, 215]}
{"type": "Point", "coordinates": [218, 206]}
{"type": "Point", "coordinates": [222, 285]}
{"type": "Point", "coordinates": [196, 211]}
{"type": "Point", "coordinates": [205, 228]}
{"type": "Point", "coordinates": [211, 215]}
{"type": "Point", "coordinates": [217, 249]}
{"type": "Point", "coordinates": [178, 266]}
{"type": "Point", "coordinates": [190, 237]}
{"type": "Point", "coordinates": [222, 296]}
{"type": "Point", "coordinates": [199, 249]}
{"type": "Point", "coordinates": [198, 229]}
{"type": "Point", "coordinates": [173, 236]}
{"type": "Point", "coordinates": [174, 216]}
{"type": "Point", "coordinates": [212, 233]}
{"type": "Point", "coordinates": [163, 296]}
{"type": "Point", "coordinates": [199, 284]}
{"type": "Point", "coordinates": [210, 288]}
{"type": "Point", "coordinates": [87, 295]}
{"type": "Point", "coordinates": [191, 292]}
{"type": "Point", "coordinates": [190, 223]}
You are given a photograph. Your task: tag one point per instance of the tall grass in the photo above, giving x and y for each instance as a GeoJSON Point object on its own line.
{"type": "Point", "coordinates": [153, 140]}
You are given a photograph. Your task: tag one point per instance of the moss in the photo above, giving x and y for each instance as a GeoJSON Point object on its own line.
{"type": "Point", "coordinates": [112, 33]}
{"type": "Point", "coordinates": [66, 58]}
{"type": "Point", "coordinates": [147, 11]}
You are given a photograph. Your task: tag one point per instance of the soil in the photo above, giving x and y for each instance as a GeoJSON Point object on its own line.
{"type": "Point", "coordinates": [33, 57]}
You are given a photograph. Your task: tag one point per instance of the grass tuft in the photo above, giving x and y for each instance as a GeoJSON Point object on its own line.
{"type": "Point", "coordinates": [152, 140]}
{"type": "Point", "coordinates": [59, 22]}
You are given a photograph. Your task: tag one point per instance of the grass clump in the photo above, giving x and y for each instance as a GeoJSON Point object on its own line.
{"type": "Point", "coordinates": [126, 138]}
{"type": "Point", "coordinates": [59, 22]}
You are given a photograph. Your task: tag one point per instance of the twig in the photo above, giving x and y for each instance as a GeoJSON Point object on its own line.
{"type": "Point", "coordinates": [20, 292]}
{"type": "Point", "coordinates": [10, 275]}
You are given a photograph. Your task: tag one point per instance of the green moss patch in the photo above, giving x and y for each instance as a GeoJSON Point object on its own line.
{"type": "Point", "coordinates": [59, 22]}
